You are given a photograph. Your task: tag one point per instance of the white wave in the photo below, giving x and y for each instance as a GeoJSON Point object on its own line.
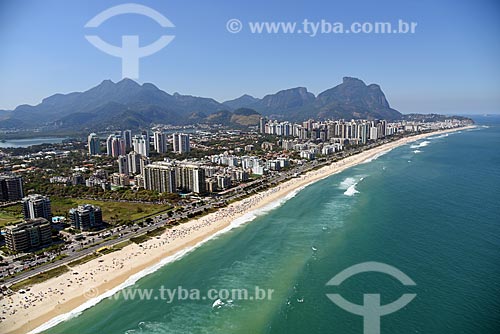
{"type": "Point", "coordinates": [417, 151]}
{"type": "Point", "coordinates": [376, 156]}
{"type": "Point", "coordinates": [169, 259]}
{"type": "Point", "coordinates": [347, 183]}
{"type": "Point", "coordinates": [351, 190]}
{"type": "Point", "coordinates": [422, 144]}
{"type": "Point", "coordinates": [444, 135]}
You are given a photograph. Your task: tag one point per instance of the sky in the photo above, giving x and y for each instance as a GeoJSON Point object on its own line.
{"type": "Point", "coordinates": [451, 64]}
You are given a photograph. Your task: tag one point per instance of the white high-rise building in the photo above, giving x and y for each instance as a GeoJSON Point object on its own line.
{"type": "Point", "coordinates": [373, 133]}
{"type": "Point", "coordinates": [160, 142]}
{"type": "Point", "coordinates": [160, 178]}
{"type": "Point", "coordinates": [181, 143]}
{"type": "Point", "coordinates": [141, 145]}
{"type": "Point", "coordinates": [109, 144]}
{"type": "Point", "coordinates": [36, 206]}
{"type": "Point", "coordinates": [134, 162]}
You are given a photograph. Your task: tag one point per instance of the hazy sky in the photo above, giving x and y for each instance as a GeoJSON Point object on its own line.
{"type": "Point", "coordinates": [450, 65]}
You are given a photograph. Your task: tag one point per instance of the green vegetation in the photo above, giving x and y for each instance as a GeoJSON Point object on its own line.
{"type": "Point", "coordinates": [40, 184]}
{"type": "Point", "coordinates": [10, 214]}
{"type": "Point", "coordinates": [42, 277]}
{"type": "Point", "coordinates": [83, 260]}
{"type": "Point", "coordinates": [113, 212]}
{"type": "Point", "coordinates": [150, 234]}
{"type": "Point", "coordinates": [5, 250]}
{"type": "Point", "coordinates": [122, 245]}
{"type": "Point", "coordinates": [140, 239]}
{"type": "Point", "coordinates": [99, 253]}
{"type": "Point", "coordinates": [156, 231]}
{"type": "Point", "coordinates": [115, 248]}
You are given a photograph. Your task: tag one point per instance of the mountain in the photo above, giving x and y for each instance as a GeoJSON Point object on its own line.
{"type": "Point", "coordinates": [354, 99]}
{"type": "Point", "coordinates": [240, 102]}
{"type": "Point", "coordinates": [127, 104]}
{"type": "Point", "coordinates": [241, 117]}
{"type": "Point", "coordinates": [351, 99]}
{"type": "Point", "coordinates": [287, 100]}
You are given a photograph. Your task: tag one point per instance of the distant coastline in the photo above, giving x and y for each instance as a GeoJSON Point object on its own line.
{"type": "Point", "coordinates": [135, 261]}
{"type": "Point", "coordinates": [26, 142]}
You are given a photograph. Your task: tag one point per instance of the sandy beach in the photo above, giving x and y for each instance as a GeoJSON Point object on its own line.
{"type": "Point", "coordinates": [45, 301]}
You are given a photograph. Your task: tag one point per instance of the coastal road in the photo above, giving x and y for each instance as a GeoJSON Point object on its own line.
{"type": "Point", "coordinates": [265, 182]}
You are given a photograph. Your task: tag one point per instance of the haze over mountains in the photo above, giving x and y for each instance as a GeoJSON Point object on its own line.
{"type": "Point", "coordinates": [127, 104]}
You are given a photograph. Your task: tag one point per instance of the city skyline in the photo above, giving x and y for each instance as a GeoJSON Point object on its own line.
{"type": "Point", "coordinates": [261, 162]}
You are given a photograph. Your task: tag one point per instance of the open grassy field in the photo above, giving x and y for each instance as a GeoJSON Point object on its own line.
{"type": "Point", "coordinates": [112, 212]}
{"type": "Point", "coordinates": [10, 214]}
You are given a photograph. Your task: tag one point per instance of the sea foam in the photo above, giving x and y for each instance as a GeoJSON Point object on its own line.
{"type": "Point", "coordinates": [376, 156]}
{"type": "Point", "coordinates": [422, 144]}
{"type": "Point", "coordinates": [444, 135]}
{"type": "Point", "coordinates": [169, 259]}
{"type": "Point", "coordinates": [349, 184]}
{"type": "Point", "coordinates": [351, 191]}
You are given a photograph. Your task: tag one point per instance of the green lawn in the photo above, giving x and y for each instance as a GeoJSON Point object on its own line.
{"type": "Point", "coordinates": [113, 212]}
{"type": "Point", "coordinates": [84, 259]}
{"type": "Point", "coordinates": [10, 214]}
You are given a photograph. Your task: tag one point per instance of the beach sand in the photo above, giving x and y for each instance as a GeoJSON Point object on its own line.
{"type": "Point", "coordinates": [60, 295]}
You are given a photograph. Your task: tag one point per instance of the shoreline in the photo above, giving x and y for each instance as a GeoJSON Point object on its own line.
{"type": "Point", "coordinates": [57, 299]}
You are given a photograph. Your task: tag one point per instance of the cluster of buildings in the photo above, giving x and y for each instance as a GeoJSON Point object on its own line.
{"type": "Point", "coordinates": [310, 149]}
{"type": "Point", "coordinates": [175, 176]}
{"type": "Point", "coordinates": [354, 131]}
{"type": "Point", "coordinates": [86, 217]}
{"type": "Point", "coordinates": [122, 142]}
{"type": "Point", "coordinates": [220, 172]}
{"type": "Point", "coordinates": [250, 164]}
{"type": "Point", "coordinates": [35, 231]}
{"type": "Point", "coordinates": [312, 138]}
{"type": "Point", "coordinates": [132, 153]}
{"type": "Point", "coordinates": [217, 173]}
{"type": "Point", "coordinates": [73, 180]}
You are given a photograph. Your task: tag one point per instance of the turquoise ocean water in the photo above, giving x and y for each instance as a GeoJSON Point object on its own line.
{"type": "Point", "coordinates": [431, 209]}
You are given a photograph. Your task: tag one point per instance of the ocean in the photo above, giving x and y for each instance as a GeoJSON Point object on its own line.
{"type": "Point", "coordinates": [430, 209]}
